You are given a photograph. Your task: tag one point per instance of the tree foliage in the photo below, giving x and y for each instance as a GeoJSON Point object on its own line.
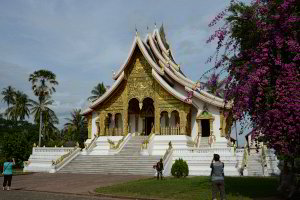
{"type": "Point", "coordinates": [17, 139]}
{"type": "Point", "coordinates": [180, 168]}
{"type": "Point", "coordinates": [214, 85]}
{"type": "Point", "coordinates": [20, 106]}
{"type": "Point", "coordinates": [261, 54]}
{"type": "Point", "coordinates": [43, 82]}
{"type": "Point", "coordinates": [8, 95]}
{"type": "Point", "coordinates": [75, 128]}
{"type": "Point", "coordinates": [97, 92]}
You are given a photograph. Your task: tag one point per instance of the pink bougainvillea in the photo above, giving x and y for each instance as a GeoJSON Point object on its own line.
{"type": "Point", "coordinates": [262, 57]}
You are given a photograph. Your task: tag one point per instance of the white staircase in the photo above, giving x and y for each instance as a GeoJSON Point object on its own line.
{"type": "Point", "coordinates": [204, 142]}
{"type": "Point", "coordinates": [127, 161]}
{"type": "Point", "coordinates": [133, 146]}
{"type": "Point", "coordinates": [254, 165]}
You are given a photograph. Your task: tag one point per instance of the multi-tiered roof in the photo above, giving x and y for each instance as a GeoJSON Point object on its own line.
{"type": "Point", "coordinates": [165, 71]}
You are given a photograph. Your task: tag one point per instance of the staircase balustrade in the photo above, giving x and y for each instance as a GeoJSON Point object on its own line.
{"type": "Point", "coordinates": [91, 145]}
{"type": "Point", "coordinates": [203, 151]}
{"type": "Point", "coordinates": [168, 160]}
{"type": "Point", "coordinates": [116, 148]}
{"type": "Point", "coordinates": [148, 143]}
{"type": "Point", "coordinates": [64, 159]}
{"type": "Point", "coordinates": [264, 162]}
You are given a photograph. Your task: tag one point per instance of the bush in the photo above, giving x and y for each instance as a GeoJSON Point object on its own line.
{"type": "Point", "coordinates": [180, 168]}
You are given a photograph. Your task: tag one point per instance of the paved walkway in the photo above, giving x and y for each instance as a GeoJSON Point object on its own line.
{"type": "Point", "coordinates": [33, 195]}
{"type": "Point", "coordinates": [65, 184]}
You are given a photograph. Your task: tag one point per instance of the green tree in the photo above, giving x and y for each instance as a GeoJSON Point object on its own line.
{"type": "Point", "coordinates": [16, 139]}
{"type": "Point", "coordinates": [97, 92]}
{"type": "Point", "coordinates": [75, 127]}
{"type": "Point", "coordinates": [20, 106]}
{"type": "Point", "coordinates": [76, 120]}
{"type": "Point", "coordinates": [43, 82]}
{"type": "Point", "coordinates": [42, 112]}
{"type": "Point", "coordinates": [8, 94]}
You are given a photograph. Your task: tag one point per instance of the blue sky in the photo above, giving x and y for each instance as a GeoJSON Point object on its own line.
{"type": "Point", "coordinates": [83, 41]}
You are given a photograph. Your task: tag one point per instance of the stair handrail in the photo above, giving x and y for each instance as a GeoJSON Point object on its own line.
{"type": "Point", "coordinates": [64, 159]}
{"type": "Point", "coordinates": [150, 141]}
{"type": "Point", "coordinates": [119, 146]}
{"type": "Point", "coordinates": [264, 161]}
{"type": "Point", "coordinates": [245, 157]}
{"type": "Point", "coordinates": [167, 159]}
{"type": "Point", "coordinates": [147, 141]}
{"type": "Point", "coordinates": [92, 144]}
{"type": "Point", "coordinates": [197, 140]}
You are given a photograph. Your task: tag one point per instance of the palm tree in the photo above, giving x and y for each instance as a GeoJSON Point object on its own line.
{"type": "Point", "coordinates": [43, 113]}
{"type": "Point", "coordinates": [20, 108]}
{"type": "Point", "coordinates": [97, 92]}
{"type": "Point", "coordinates": [8, 94]}
{"type": "Point", "coordinates": [76, 120]}
{"type": "Point", "coordinates": [43, 82]}
{"type": "Point", "coordinates": [76, 127]}
{"type": "Point", "coordinates": [214, 85]}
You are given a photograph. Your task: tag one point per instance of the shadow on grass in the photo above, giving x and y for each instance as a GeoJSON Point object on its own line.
{"type": "Point", "coordinates": [252, 187]}
{"type": "Point", "coordinates": [237, 188]}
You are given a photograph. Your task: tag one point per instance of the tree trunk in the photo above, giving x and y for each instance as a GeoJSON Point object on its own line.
{"type": "Point", "coordinates": [40, 131]}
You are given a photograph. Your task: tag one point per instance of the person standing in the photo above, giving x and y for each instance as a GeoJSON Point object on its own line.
{"type": "Point", "coordinates": [7, 172]}
{"type": "Point", "coordinates": [159, 169]}
{"type": "Point", "coordinates": [217, 177]}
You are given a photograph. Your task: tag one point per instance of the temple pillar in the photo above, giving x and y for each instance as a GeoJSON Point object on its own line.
{"type": "Point", "coordinates": [199, 128]}
{"type": "Point", "coordinates": [183, 122]}
{"type": "Point", "coordinates": [211, 126]}
{"type": "Point", "coordinates": [222, 124]}
{"type": "Point", "coordinates": [125, 120]}
{"type": "Point", "coordinates": [89, 119]}
{"type": "Point", "coordinates": [157, 119]}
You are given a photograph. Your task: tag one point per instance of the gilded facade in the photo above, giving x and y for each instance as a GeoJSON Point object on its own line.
{"type": "Point", "coordinates": [140, 84]}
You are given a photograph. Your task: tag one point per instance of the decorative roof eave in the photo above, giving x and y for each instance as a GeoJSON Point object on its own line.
{"type": "Point", "coordinates": [171, 71]}
{"type": "Point", "coordinates": [165, 85]}
{"type": "Point", "coordinates": [165, 52]}
{"type": "Point", "coordinates": [109, 91]}
{"type": "Point", "coordinates": [176, 78]}
{"type": "Point", "coordinates": [156, 51]}
{"type": "Point", "coordinates": [160, 43]}
{"type": "Point", "coordinates": [166, 60]}
{"type": "Point", "coordinates": [207, 99]}
{"type": "Point", "coordinates": [211, 96]}
{"type": "Point", "coordinates": [204, 115]}
{"type": "Point", "coordinates": [86, 111]}
{"type": "Point", "coordinates": [137, 42]}
{"type": "Point", "coordinates": [117, 74]}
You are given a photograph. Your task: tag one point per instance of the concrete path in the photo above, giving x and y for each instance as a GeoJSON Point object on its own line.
{"type": "Point", "coordinates": [80, 184]}
{"type": "Point", "coordinates": [33, 195]}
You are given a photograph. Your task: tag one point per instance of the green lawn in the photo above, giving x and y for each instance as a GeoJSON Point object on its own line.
{"type": "Point", "coordinates": [192, 188]}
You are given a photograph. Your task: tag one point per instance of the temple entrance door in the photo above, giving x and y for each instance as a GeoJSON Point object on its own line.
{"type": "Point", "coordinates": [205, 128]}
{"type": "Point", "coordinates": [149, 123]}
{"type": "Point", "coordinates": [147, 113]}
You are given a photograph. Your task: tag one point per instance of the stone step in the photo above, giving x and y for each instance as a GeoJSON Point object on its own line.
{"type": "Point", "coordinates": [128, 160]}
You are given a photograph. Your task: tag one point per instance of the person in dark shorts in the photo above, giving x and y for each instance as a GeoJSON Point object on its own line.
{"type": "Point", "coordinates": [217, 177]}
{"type": "Point", "coordinates": [159, 169]}
{"type": "Point", "coordinates": [7, 172]}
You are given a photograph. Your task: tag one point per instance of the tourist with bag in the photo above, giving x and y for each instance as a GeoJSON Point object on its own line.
{"type": "Point", "coordinates": [217, 177]}
{"type": "Point", "coordinates": [7, 172]}
{"type": "Point", "coordinates": [159, 169]}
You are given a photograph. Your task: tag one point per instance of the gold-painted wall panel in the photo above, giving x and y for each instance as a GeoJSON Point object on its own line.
{"type": "Point", "coordinates": [140, 84]}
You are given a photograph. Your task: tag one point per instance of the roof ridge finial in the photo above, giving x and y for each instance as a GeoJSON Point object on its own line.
{"type": "Point", "coordinates": [155, 24]}
{"type": "Point", "coordinates": [136, 31]}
